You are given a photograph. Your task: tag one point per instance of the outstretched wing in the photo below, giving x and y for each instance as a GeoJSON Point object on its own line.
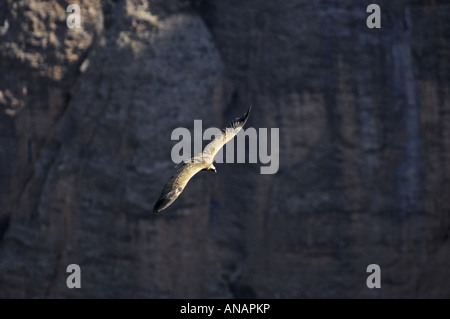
{"type": "Point", "coordinates": [176, 184]}
{"type": "Point", "coordinates": [228, 133]}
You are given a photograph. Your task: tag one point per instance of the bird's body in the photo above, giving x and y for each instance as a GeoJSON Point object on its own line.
{"type": "Point", "coordinates": [202, 161]}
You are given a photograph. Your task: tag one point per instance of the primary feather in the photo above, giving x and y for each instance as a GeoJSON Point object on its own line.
{"type": "Point", "coordinates": [228, 133]}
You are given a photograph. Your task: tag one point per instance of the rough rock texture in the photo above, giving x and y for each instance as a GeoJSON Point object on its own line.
{"type": "Point", "coordinates": [86, 117]}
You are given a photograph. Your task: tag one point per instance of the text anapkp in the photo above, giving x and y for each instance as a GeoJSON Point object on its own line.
{"type": "Point", "coordinates": [234, 308]}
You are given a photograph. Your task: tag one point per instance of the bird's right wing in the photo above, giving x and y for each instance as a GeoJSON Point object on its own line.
{"type": "Point", "coordinates": [177, 183]}
{"type": "Point", "coordinates": [227, 134]}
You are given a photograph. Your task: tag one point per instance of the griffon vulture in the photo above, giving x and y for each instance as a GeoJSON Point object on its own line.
{"type": "Point", "coordinates": [201, 162]}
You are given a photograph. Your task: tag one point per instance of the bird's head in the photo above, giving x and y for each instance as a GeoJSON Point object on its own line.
{"type": "Point", "coordinates": [212, 168]}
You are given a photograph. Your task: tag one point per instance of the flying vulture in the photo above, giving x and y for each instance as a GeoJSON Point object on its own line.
{"type": "Point", "coordinates": [201, 162]}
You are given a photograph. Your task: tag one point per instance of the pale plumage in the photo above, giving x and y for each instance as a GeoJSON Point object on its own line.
{"type": "Point", "coordinates": [202, 161]}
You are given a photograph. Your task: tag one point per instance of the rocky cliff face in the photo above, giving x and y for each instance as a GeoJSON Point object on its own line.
{"type": "Point", "coordinates": [86, 117]}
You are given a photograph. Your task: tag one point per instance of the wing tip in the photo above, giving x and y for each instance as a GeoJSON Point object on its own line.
{"type": "Point", "coordinates": [245, 116]}
{"type": "Point", "coordinates": [160, 205]}
{"type": "Point", "coordinates": [166, 199]}
{"type": "Point", "coordinates": [240, 121]}
{"type": "Point", "coordinates": [157, 209]}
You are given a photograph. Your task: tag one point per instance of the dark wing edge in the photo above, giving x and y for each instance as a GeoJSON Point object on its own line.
{"type": "Point", "coordinates": [169, 194]}
{"type": "Point", "coordinates": [238, 122]}
{"type": "Point", "coordinates": [166, 199]}
{"type": "Point", "coordinates": [228, 133]}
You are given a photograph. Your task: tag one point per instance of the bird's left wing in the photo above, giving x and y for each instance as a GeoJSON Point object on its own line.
{"type": "Point", "coordinates": [227, 134]}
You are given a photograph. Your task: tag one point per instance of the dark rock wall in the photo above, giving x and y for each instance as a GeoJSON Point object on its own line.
{"type": "Point", "coordinates": [86, 117]}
